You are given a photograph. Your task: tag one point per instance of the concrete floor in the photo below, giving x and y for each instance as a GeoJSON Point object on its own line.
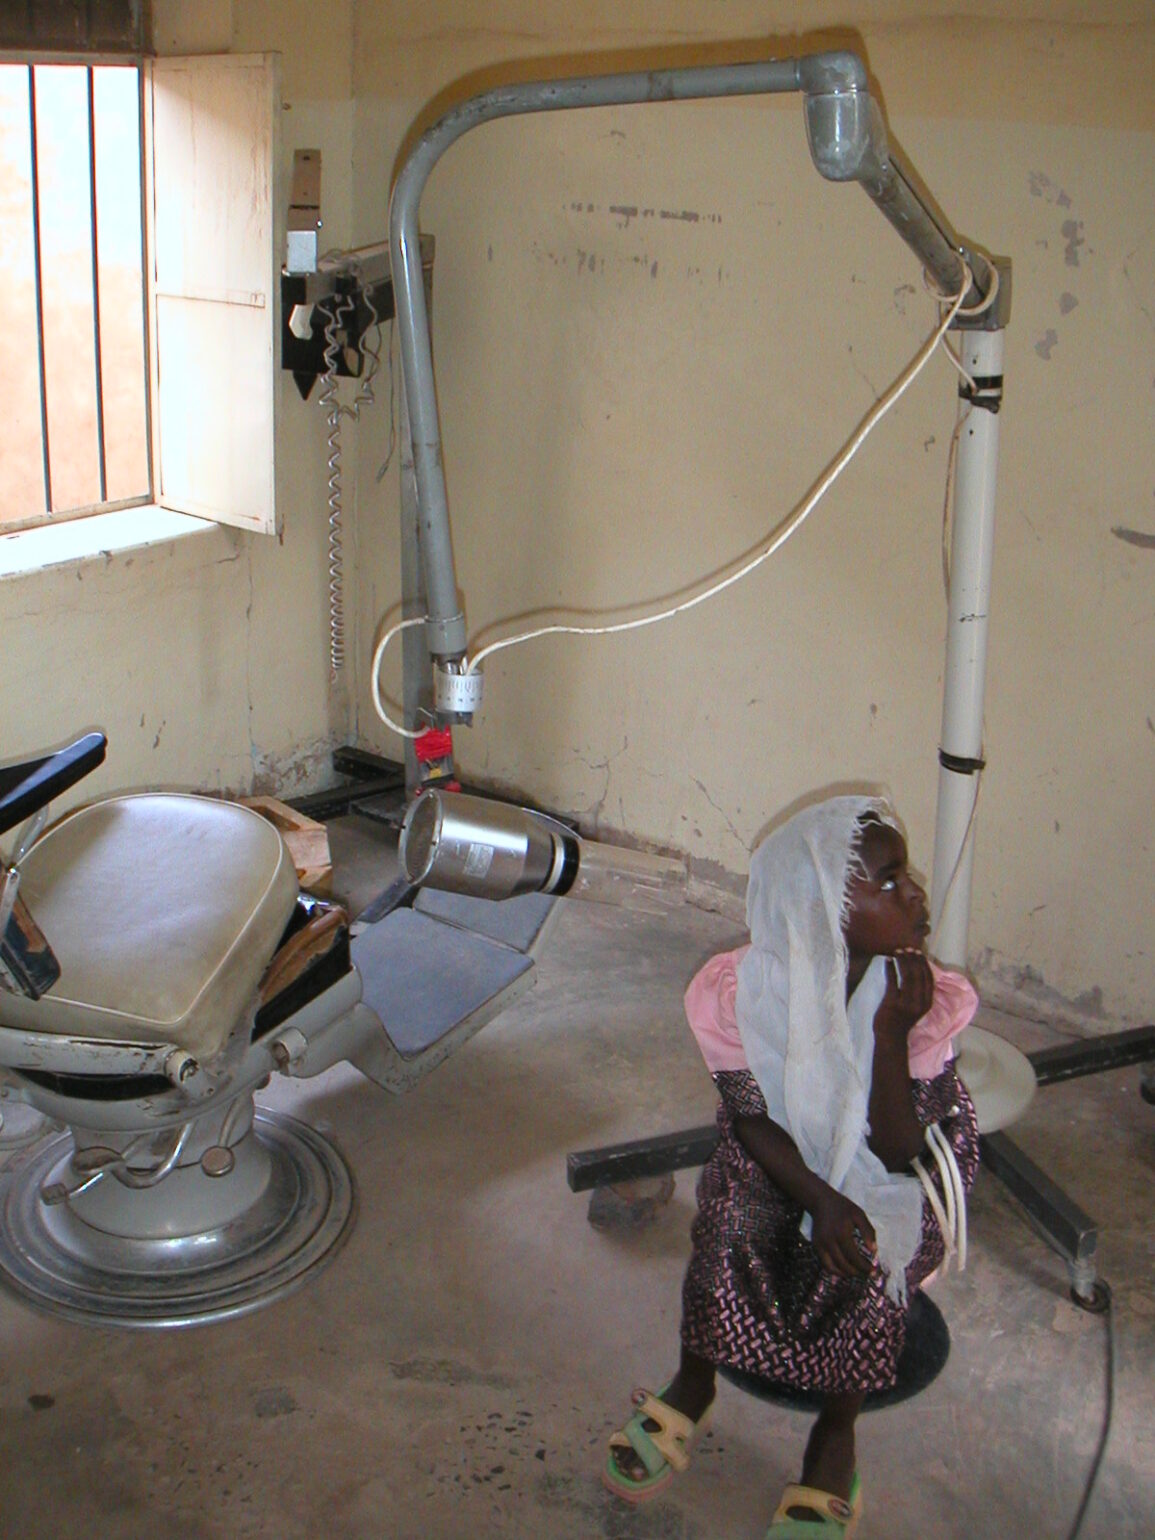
{"type": "Point", "coordinates": [454, 1372]}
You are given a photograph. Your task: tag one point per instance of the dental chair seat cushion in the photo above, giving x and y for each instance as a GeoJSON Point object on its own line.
{"type": "Point", "coordinates": [163, 910]}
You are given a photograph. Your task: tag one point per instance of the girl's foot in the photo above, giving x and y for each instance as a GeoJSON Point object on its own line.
{"type": "Point", "coordinates": [650, 1448]}
{"type": "Point", "coordinates": [807, 1513]}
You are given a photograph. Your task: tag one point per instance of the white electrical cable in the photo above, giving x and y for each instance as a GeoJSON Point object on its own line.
{"type": "Point", "coordinates": [939, 1212]}
{"type": "Point", "coordinates": [341, 304]}
{"type": "Point", "coordinates": [970, 311]}
{"type": "Point", "coordinates": [950, 1217]}
{"type": "Point", "coordinates": [968, 379]}
{"type": "Point", "coordinates": [792, 523]}
{"type": "Point", "coordinates": [332, 408]}
{"type": "Point", "coordinates": [374, 669]}
{"type": "Point", "coordinates": [948, 497]}
{"type": "Point", "coordinates": [943, 1148]}
{"type": "Point", "coordinates": [947, 1184]}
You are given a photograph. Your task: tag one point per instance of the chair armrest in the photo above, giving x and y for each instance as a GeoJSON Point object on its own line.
{"type": "Point", "coordinates": [27, 787]}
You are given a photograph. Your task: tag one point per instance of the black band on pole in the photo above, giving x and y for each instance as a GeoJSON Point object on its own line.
{"type": "Point", "coordinates": [983, 390]}
{"type": "Point", "coordinates": [960, 764]}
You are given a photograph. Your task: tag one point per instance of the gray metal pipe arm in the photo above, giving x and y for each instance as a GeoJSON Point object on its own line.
{"type": "Point", "coordinates": [847, 140]}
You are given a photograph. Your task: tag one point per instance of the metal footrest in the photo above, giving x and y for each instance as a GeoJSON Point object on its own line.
{"type": "Point", "coordinates": [426, 979]}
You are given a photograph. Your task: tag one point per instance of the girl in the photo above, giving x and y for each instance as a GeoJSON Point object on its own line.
{"type": "Point", "coordinates": [829, 1038]}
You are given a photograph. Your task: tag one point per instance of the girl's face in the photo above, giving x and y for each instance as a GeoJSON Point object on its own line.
{"type": "Point", "coordinates": [887, 907]}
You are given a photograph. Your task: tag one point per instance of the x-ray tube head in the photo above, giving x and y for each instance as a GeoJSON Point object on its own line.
{"type": "Point", "coordinates": [489, 849]}
{"type": "Point", "coordinates": [470, 845]}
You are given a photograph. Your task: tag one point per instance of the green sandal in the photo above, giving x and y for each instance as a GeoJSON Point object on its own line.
{"type": "Point", "coordinates": [839, 1518]}
{"type": "Point", "coordinates": [664, 1450]}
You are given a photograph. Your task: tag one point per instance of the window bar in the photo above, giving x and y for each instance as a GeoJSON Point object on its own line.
{"type": "Point", "coordinates": [96, 293]}
{"type": "Point", "coordinates": [142, 101]}
{"type": "Point", "coordinates": [39, 286]}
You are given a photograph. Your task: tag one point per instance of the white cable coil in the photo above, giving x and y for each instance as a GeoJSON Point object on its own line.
{"type": "Point", "coordinates": [951, 1215]}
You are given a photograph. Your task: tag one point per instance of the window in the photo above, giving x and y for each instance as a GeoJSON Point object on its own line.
{"type": "Point", "coordinates": [139, 353]}
{"type": "Point", "coordinates": [73, 354]}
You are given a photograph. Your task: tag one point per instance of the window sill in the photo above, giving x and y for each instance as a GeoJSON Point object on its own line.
{"type": "Point", "coordinates": [99, 535]}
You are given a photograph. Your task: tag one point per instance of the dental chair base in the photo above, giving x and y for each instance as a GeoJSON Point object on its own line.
{"type": "Point", "coordinates": [202, 1245]}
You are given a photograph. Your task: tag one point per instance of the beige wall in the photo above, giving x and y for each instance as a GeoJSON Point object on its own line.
{"type": "Point", "coordinates": [629, 402]}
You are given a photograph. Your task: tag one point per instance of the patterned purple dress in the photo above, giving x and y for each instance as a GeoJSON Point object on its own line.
{"type": "Point", "coordinates": [757, 1299]}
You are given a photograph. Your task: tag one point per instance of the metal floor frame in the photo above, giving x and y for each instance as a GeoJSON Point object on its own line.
{"type": "Point", "coordinates": [1065, 1227]}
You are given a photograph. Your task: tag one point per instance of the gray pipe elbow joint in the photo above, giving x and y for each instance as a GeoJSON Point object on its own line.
{"type": "Point", "coordinates": [844, 126]}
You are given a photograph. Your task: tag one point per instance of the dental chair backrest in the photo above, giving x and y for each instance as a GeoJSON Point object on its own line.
{"type": "Point", "coordinates": [28, 964]}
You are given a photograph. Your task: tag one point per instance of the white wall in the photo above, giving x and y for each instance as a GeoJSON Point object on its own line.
{"type": "Point", "coordinates": [631, 401]}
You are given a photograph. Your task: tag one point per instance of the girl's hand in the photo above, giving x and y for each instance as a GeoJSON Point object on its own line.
{"type": "Point", "coordinates": [843, 1236]}
{"type": "Point", "coordinates": [909, 992]}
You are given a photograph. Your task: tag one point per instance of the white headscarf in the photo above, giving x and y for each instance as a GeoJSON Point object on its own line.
{"type": "Point", "coordinates": [810, 1050]}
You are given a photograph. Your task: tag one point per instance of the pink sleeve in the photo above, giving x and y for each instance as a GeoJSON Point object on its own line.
{"type": "Point", "coordinates": [710, 1012]}
{"type": "Point", "coordinates": [930, 1046]}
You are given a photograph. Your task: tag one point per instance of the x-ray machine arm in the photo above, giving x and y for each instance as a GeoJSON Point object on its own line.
{"type": "Point", "coordinates": [848, 142]}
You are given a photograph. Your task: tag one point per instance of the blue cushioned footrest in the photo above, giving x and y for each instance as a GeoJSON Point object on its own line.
{"type": "Point", "coordinates": [424, 977]}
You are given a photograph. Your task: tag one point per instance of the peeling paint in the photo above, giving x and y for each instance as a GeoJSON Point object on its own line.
{"type": "Point", "coordinates": [1023, 991]}
{"type": "Point", "coordinates": [1072, 231]}
{"type": "Point", "coordinates": [1046, 343]}
{"type": "Point", "coordinates": [1067, 303]}
{"type": "Point", "coordinates": [1041, 186]}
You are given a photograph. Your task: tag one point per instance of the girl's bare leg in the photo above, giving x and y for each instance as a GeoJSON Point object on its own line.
{"type": "Point", "coordinates": [829, 1462]}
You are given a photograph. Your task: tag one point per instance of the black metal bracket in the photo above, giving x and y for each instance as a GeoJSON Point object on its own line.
{"type": "Point", "coordinates": [1060, 1221]}
{"type": "Point", "coordinates": [640, 1158]}
{"type": "Point", "coordinates": [347, 310]}
{"type": "Point", "coordinates": [366, 775]}
{"type": "Point", "coordinates": [348, 300]}
{"type": "Point", "coordinates": [1093, 1055]}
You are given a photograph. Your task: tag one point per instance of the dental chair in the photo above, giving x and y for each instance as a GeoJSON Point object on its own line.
{"type": "Point", "coordinates": [159, 965]}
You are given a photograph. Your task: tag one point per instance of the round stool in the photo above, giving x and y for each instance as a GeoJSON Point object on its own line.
{"type": "Point", "coordinates": [923, 1356]}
